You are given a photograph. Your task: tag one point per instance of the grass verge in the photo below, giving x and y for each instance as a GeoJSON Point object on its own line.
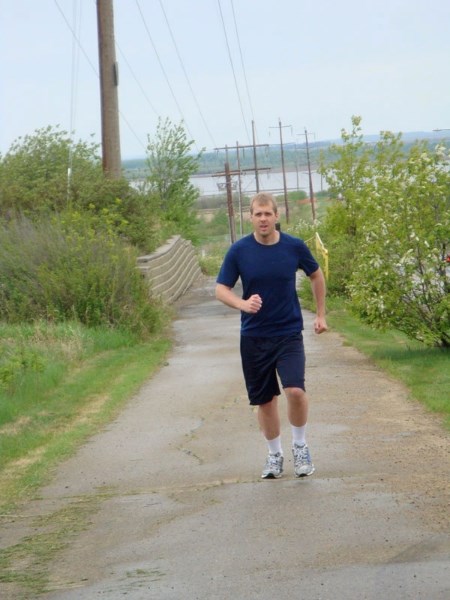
{"type": "Point", "coordinates": [59, 384]}
{"type": "Point", "coordinates": [424, 371]}
{"type": "Point", "coordinates": [46, 413]}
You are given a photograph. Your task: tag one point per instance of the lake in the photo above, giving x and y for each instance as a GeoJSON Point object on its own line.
{"type": "Point", "coordinates": [270, 181]}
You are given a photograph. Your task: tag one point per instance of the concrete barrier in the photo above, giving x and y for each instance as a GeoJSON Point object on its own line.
{"type": "Point", "coordinates": [171, 270]}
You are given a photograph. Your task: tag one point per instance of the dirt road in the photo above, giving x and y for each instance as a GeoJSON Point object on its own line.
{"type": "Point", "coordinates": [181, 511]}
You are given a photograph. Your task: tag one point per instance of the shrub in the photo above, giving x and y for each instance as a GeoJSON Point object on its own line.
{"type": "Point", "coordinates": [58, 270]}
{"type": "Point", "coordinates": [389, 231]}
{"type": "Point", "coordinates": [34, 182]}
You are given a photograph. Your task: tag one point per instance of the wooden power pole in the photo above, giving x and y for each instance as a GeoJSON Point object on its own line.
{"type": "Point", "coordinates": [109, 81]}
{"type": "Point", "coordinates": [283, 168]}
{"type": "Point", "coordinates": [228, 184]}
{"type": "Point", "coordinates": [311, 191]}
{"type": "Point", "coordinates": [230, 203]}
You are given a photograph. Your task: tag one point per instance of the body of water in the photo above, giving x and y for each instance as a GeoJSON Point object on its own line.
{"type": "Point", "coordinates": [268, 182]}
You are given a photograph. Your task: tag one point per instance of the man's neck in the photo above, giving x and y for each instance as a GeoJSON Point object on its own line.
{"type": "Point", "coordinates": [267, 240]}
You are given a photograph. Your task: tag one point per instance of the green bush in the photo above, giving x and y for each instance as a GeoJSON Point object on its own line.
{"type": "Point", "coordinates": [58, 270]}
{"type": "Point", "coordinates": [388, 233]}
{"type": "Point", "coordinates": [34, 182]}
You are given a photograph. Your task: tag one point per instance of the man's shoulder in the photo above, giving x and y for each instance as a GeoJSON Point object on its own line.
{"type": "Point", "coordinates": [287, 238]}
{"type": "Point", "coordinates": [247, 240]}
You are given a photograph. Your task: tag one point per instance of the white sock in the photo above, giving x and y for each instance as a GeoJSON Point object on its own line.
{"type": "Point", "coordinates": [298, 435]}
{"type": "Point", "coordinates": [275, 445]}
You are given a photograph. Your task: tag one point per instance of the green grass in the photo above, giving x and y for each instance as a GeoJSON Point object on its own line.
{"type": "Point", "coordinates": [48, 408]}
{"type": "Point", "coordinates": [424, 371]}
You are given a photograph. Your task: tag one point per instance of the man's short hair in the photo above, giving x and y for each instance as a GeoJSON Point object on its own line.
{"type": "Point", "coordinates": [264, 199]}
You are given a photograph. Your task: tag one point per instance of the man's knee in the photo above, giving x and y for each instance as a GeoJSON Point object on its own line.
{"type": "Point", "coordinates": [295, 394]}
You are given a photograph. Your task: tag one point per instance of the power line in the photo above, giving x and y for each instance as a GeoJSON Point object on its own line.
{"type": "Point", "coordinates": [162, 67]}
{"type": "Point", "coordinates": [76, 15]}
{"type": "Point", "coordinates": [232, 68]}
{"type": "Point", "coordinates": [286, 203]}
{"type": "Point", "coordinates": [75, 65]}
{"type": "Point", "coordinates": [137, 81]}
{"type": "Point", "coordinates": [77, 40]}
{"type": "Point", "coordinates": [185, 74]}
{"type": "Point", "coordinates": [242, 61]}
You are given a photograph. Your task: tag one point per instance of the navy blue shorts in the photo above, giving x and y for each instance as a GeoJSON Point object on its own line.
{"type": "Point", "coordinates": [263, 358]}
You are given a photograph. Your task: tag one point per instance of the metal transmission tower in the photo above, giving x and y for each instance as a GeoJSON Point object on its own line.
{"type": "Point", "coordinates": [109, 81]}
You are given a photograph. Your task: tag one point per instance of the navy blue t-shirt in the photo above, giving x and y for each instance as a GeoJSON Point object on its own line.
{"type": "Point", "coordinates": [270, 271]}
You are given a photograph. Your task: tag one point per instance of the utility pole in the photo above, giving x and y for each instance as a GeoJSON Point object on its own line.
{"type": "Point", "coordinates": [256, 168]}
{"type": "Point", "coordinates": [228, 173]}
{"type": "Point", "coordinates": [241, 216]}
{"type": "Point", "coordinates": [230, 203]}
{"type": "Point", "coordinates": [254, 157]}
{"type": "Point", "coordinates": [311, 191]}
{"type": "Point", "coordinates": [109, 81]}
{"type": "Point", "coordinates": [286, 203]}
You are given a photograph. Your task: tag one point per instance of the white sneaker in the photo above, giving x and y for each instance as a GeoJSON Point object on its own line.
{"type": "Point", "coordinates": [273, 467]}
{"type": "Point", "coordinates": [303, 465]}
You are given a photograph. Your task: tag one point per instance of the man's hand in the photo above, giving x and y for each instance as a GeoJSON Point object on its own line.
{"type": "Point", "coordinates": [252, 304]}
{"type": "Point", "coordinates": [320, 324]}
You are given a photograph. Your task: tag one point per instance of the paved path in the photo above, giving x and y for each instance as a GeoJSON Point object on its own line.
{"type": "Point", "coordinates": [184, 515]}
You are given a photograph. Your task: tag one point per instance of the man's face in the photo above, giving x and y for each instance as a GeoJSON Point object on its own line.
{"type": "Point", "coordinates": [263, 219]}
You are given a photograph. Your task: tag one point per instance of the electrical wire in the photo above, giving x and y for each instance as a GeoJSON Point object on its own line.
{"type": "Point", "coordinates": [233, 70]}
{"type": "Point", "coordinates": [242, 61]}
{"type": "Point", "coordinates": [76, 15]}
{"type": "Point", "coordinates": [186, 75]}
{"type": "Point", "coordinates": [76, 38]}
{"type": "Point", "coordinates": [162, 68]}
{"type": "Point", "coordinates": [137, 81]}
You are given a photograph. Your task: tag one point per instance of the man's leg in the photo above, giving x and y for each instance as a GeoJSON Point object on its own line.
{"type": "Point", "coordinates": [269, 422]}
{"type": "Point", "coordinates": [269, 419]}
{"type": "Point", "coordinates": [298, 417]}
{"type": "Point", "coordinates": [297, 406]}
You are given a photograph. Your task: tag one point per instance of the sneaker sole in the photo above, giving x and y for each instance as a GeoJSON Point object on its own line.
{"type": "Point", "coordinates": [305, 474]}
{"type": "Point", "coordinates": [271, 476]}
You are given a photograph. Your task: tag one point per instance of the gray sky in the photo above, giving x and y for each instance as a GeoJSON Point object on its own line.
{"type": "Point", "coordinates": [310, 63]}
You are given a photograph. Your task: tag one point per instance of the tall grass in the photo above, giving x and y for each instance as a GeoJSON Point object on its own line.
{"type": "Point", "coordinates": [64, 269]}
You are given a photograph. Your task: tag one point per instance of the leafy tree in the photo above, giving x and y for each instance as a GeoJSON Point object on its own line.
{"type": "Point", "coordinates": [392, 220]}
{"type": "Point", "coordinates": [171, 165]}
{"type": "Point", "coordinates": [34, 181]}
{"type": "Point", "coordinates": [34, 173]}
{"type": "Point", "coordinates": [346, 172]}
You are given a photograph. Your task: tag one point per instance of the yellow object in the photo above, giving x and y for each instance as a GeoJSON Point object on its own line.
{"type": "Point", "coordinates": [320, 249]}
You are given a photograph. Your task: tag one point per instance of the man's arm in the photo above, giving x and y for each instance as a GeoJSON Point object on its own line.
{"type": "Point", "coordinates": [226, 295]}
{"type": "Point", "coordinates": [319, 292]}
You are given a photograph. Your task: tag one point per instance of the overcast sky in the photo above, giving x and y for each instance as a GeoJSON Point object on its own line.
{"type": "Point", "coordinates": [219, 65]}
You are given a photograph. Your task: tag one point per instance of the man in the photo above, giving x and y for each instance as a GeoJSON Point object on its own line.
{"type": "Point", "coordinates": [271, 327]}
